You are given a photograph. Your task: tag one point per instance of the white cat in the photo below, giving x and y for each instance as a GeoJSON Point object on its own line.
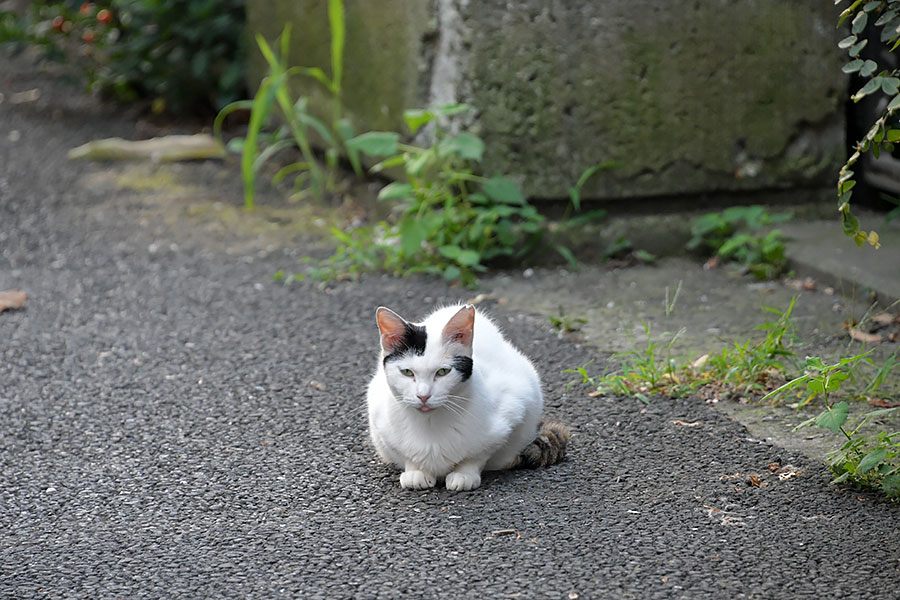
{"type": "Point", "coordinates": [451, 397]}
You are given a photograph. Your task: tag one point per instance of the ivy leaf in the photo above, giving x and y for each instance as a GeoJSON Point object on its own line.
{"type": "Point", "coordinates": [847, 41]}
{"type": "Point", "coordinates": [859, 22]}
{"type": "Point", "coordinates": [871, 460]}
{"type": "Point", "coordinates": [853, 66]}
{"type": "Point", "coordinates": [856, 48]}
{"type": "Point", "coordinates": [871, 86]}
{"type": "Point", "coordinates": [849, 222]}
{"type": "Point", "coordinates": [832, 418]}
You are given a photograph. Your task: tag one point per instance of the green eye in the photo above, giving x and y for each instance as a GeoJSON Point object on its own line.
{"type": "Point", "coordinates": [442, 372]}
{"type": "Point", "coordinates": [406, 372]}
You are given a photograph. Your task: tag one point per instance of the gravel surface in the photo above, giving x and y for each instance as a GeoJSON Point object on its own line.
{"type": "Point", "coordinates": [175, 425]}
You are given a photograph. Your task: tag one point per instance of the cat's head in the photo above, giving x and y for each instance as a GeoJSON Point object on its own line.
{"type": "Point", "coordinates": [425, 366]}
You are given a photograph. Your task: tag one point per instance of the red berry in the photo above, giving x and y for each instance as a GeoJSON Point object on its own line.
{"type": "Point", "coordinates": [58, 23]}
{"type": "Point", "coordinates": [88, 37]}
{"type": "Point", "coordinates": [104, 16]}
{"type": "Point", "coordinates": [86, 8]}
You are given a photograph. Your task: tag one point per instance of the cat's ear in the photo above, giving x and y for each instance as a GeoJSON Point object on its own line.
{"type": "Point", "coordinates": [459, 329]}
{"type": "Point", "coordinates": [393, 328]}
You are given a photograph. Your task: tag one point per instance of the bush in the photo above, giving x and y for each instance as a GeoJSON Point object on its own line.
{"type": "Point", "coordinates": [183, 56]}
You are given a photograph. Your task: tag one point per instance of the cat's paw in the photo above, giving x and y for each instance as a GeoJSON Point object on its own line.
{"type": "Point", "coordinates": [460, 482]}
{"type": "Point", "coordinates": [417, 480]}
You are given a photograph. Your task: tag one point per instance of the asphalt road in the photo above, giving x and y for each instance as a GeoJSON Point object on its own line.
{"type": "Point", "coordinates": [175, 425]}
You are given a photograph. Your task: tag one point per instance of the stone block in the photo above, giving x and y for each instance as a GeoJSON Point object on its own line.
{"type": "Point", "coordinates": [685, 97]}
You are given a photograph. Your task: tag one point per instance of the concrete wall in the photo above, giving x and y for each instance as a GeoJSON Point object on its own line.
{"type": "Point", "coordinates": [685, 96]}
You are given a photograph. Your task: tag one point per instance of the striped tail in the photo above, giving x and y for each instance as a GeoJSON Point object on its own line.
{"type": "Point", "coordinates": [547, 449]}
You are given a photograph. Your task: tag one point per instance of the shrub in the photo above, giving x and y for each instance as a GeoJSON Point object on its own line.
{"type": "Point", "coordinates": [184, 56]}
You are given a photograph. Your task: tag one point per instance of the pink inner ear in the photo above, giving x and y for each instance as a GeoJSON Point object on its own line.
{"type": "Point", "coordinates": [392, 328]}
{"type": "Point", "coordinates": [459, 329]}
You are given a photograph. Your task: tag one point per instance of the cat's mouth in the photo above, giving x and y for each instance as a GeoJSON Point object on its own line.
{"type": "Point", "coordinates": [425, 408]}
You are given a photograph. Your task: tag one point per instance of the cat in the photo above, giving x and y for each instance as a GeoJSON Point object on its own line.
{"type": "Point", "coordinates": [451, 397]}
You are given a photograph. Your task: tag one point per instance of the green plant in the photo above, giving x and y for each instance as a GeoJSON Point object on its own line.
{"type": "Point", "coordinates": [884, 133]}
{"type": "Point", "coordinates": [734, 234]}
{"type": "Point", "coordinates": [447, 219]}
{"type": "Point", "coordinates": [184, 56]}
{"type": "Point", "coordinates": [300, 126]}
{"type": "Point", "coordinates": [870, 461]}
{"type": "Point", "coordinates": [566, 323]}
{"type": "Point", "coordinates": [746, 369]}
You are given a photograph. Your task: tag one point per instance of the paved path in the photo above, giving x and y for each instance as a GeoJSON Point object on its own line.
{"type": "Point", "coordinates": [173, 425]}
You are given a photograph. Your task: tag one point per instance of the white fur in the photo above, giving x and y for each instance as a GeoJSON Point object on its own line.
{"type": "Point", "coordinates": [482, 423]}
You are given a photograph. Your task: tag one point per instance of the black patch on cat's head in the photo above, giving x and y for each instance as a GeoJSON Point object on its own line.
{"type": "Point", "coordinates": [414, 338]}
{"type": "Point", "coordinates": [463, 364]}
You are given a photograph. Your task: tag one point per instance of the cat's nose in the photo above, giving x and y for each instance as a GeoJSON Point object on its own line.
{"type": "Point", "coordinates": [424, 398]}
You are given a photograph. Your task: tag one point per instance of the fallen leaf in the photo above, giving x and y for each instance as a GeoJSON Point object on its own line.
{"type": "Point", "coordinates": [862, 336]}
{"type": "Point", "coordinates": [24, 97]}
{"type": "Point", "coordinates": [755, 481]}
{"type": "Point", "coordinates": [882, 403]}
{"type": "Point", "coordinates": [504, 532]}
{"type": "Point", "coordinates": [774, 466]}
{"type": "Point", "coordinates": [884, 318]}
{"type": "Point", "coordinates": [161, 149]}
{"type": "Point", "coordinates": [12, 299]}
{"type": "Point", "coordinates": [480, 298]}
{"type": "Point", "coordinates": [595, 393]}
{"type": "Point", "coordinates": [700, 361]}
{"type": "Point", "coordinates": [710, 264]}
{"type": "Point", "coordinates": [685, 424]}
{"type": "Point", "coordinates": [788, 471]}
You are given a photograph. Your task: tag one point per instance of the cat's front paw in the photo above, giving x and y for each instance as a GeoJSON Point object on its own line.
{"type": "Point", "coordinates": [460, 482]}
{"type": "Point", "coordinates": [417, 480]}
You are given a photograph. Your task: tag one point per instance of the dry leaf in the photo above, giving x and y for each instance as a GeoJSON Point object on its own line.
{"type": "Point", "coordinates": [862, 336]}
{"type": "Point", "coordinates": [31, 95]}
{"type": "Point", "coordinates": [884, 318]}
{"type": "Point", "coordinates": [710, 264]}
{"type": "Point", "coordinates": [161, 149]}
{"type": "Point", "coordinates": [12, 299]}
{"type": "Point", "coordinates": [882, 403]}
{"type": "Point", "coordinates": [700, 361]}
{"type": "Point", "coordinates": [684, 424]}
{"type": "Point", "coordinates": [595, 393]}
{"type": "Point", "coordinates": [755, 481]}
{"type": "Point", "coordinates": [480, 298]}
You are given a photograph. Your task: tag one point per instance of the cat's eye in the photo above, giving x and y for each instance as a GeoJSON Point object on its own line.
{"type": "Point", "coordinates": [442, 372]}
{"type": "Point", "coordinates": [406, 372]}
